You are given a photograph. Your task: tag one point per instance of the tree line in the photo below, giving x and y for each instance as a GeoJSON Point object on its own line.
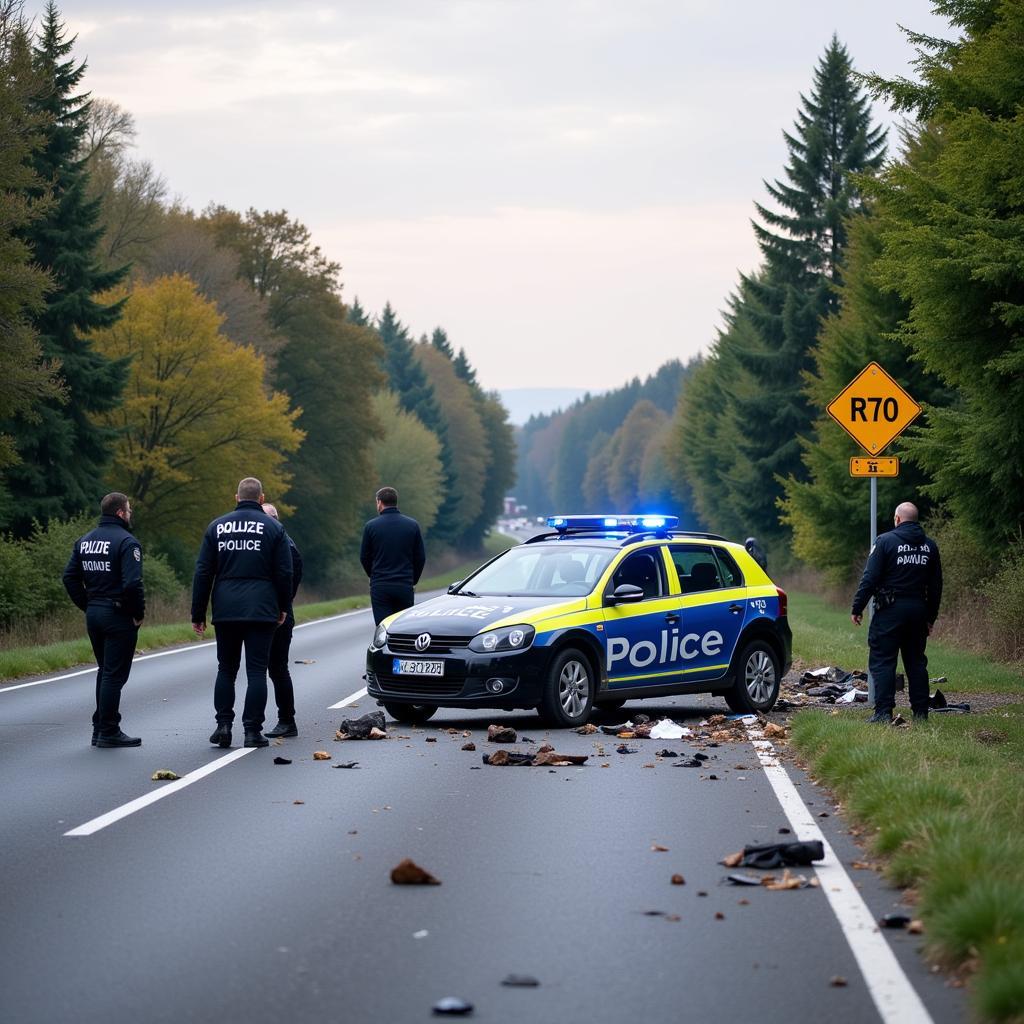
{"type": "Point", "coordinates": [164, 352]}
{"type": "Point", "coordinates": [907, 251]}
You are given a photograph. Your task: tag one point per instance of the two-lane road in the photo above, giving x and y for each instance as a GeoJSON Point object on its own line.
{"type": "Point", "coordinates": [262, 892]}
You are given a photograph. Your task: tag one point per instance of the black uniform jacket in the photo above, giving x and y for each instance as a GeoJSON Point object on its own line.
{"type": "Point", "coordinates": [245, 559]}
{"type": "Point", "coordinates": [296, 568]}
{"type": "Point", "coordinates": [904, 562]}
{"type": "Point", "coordinates": [106, 568]}
{"type": "Point", "coordinates": [392, 549]}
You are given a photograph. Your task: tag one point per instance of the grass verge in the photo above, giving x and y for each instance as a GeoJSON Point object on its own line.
{"type": "Point", "coordinates": [944, 804]}
{"type": "Point", "coordinates": [19, 662]}
{"type": "Point", "coordinates": [823, 635]}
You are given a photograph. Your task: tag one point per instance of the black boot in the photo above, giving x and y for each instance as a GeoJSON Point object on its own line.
{"type": "Point", "coordinates": [95, 736]}
{"type": "Point", "coordinates": [118, 739]}
{"type": "Point", "coordinates": [284, 727]}
{"type": "Point", "coordinates": [881, 718]}
{"type": "Point", "coordinates": [254, 738]}
{"type": "Point", "coordinates": [920, 716]}
{"type": "Point", "coordinates": [221, 735]}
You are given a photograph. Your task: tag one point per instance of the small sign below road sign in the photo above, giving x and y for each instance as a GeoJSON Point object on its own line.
{"type": "Point", "coordinates": [884, 466]}
{"type": "Point", "coordinates": [873, 409]}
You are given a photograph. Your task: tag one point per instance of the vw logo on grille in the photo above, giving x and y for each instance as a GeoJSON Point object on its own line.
{"type": "Point", "coordinates": [422, 641]}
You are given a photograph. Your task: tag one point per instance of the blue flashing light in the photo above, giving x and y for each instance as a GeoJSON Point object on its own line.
{"type": "Point", "coordinates": [616, 524]}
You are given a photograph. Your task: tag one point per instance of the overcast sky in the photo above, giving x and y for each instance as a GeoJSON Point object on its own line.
{"type": "Point", "coordinates": [566, 187]}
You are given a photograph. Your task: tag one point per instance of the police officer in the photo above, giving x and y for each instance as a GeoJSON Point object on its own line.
{"type": "Point", "coordinates": [392, 556]}
{"type": "Point", "coordinates": [280, 676]}
{"type": "Point", "coordinates": [246, 563]}
{"type": "Point", "coordinates": [104, 578]}
{"type": "Point", "coordinates": [904, 575]}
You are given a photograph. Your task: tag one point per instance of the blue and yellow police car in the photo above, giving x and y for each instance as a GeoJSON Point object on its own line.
{"type": "Point", "coordinates": [596, 611]}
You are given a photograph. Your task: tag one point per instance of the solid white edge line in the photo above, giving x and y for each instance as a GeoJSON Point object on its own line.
{"type": "Point", "coordinates": [891, 990]}
{"type": "Point", "coordinates": [91, 827]}
{"type": "Point", "coordinates": [347, 700]}
{"type": "Point", "coordinates": [165, 654]}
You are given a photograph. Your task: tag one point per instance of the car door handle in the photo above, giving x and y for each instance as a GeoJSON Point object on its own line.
{"type": "Point", "coordinates": [735, 608]}
{"type": "Point", "coordinates": [671, 617]}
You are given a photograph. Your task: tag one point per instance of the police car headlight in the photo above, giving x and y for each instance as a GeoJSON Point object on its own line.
{"type": "Point", "coordinates": [507, 638]}
{"type": "Point", "coordinates": [380, 638]}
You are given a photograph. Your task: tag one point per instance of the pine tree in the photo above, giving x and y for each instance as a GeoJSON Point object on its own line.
{"type": "Point", "coordinates": [439, 339]}
{"type": "Point", "coordinates": [355, 314]}
{"type": "Point", "coordinates": [64, 454]}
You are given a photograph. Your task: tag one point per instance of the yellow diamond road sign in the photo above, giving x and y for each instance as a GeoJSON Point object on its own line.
{"type": "Point", "coordinates": [873, 409]}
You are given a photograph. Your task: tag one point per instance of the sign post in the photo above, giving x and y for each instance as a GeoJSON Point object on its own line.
{"type": "Point", "coordinates": [874, 410]}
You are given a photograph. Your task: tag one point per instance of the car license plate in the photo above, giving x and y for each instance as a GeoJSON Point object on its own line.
{"type": "Point", "coordinates": [403, 667]}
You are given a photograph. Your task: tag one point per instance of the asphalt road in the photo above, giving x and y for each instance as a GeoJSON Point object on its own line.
{"type": "Point", "coordinates": [262, 892]}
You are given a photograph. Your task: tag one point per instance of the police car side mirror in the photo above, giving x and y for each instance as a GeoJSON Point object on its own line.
{"type": "Point", "coordinates": [452, 587]}
{"type": "Point", "coordinates": [625, 593]}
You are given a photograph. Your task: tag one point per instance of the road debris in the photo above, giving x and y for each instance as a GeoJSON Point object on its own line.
{"type": "Point", "coordinates": [452, 1006]}
{"type": "Point", "coordinates": [430, 739]}
{"type": "Point", "coordinates": [408, 872]}
{"type": "Point", "coordinates": [520, 981]}
{"type": "Point", "coordinates": [666, 729]}
{"type": "Point", "coordinates": [282, 760]}
{"type": "Point", "coordinates": [837, 981]}
{"type": "Point", "coordinates": [915, 927]}
{"type": "Point", "coordinates": [678, 880]}
{"type": "Point", "coordinates": [894, 921]}
{"type": "Point", "coordinates": [164, 775]}
{"type": "Point", "coordinates": [586, 730]}
{"type": "Point", "coordinates": [666, 753]}
{"type": "Point", "coordinates": [369, 727]}
{"type": "Point", "coordinates": [657, 848]}
{"type": "Point", "coordinates": [719, 916]}
{"type": "Point", "coordinates": [899, 722]}
{"type": "Point", "coordinates": [692, 763]}
{"type": "Point", "coordinates": [305, 661]}
{"type": "Point", "coordinates": [738, 879]}
{"type": "Point", "coordinates": [468, 746]}
{"type": "Point", "coordinates": [421, 934]}
{"type": "Point", "coordinates": [623, 749]}
{"type": "Point", "coordinates": [543, 758]}
{"type": "Point", "coordinates": [501, 734]}
{"type": "Point", "coordinates": [776, 855]}
{"type": "Point", "coordinates": [321, 755]}
{"type": "Point", "coordinates": [297, 802]}
{"type": "Point", "coordinates": [346, 764]}
{"type": "Point", "coordinates": [789, 881]}
{"type": "Point", "coordinates": [773, 731]}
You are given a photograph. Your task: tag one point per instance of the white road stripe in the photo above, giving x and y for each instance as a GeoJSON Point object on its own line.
{"type": "Point", "coordinates": [894, 996]}
{"type": "Point", "coordinates": [348, 700]}
{"type": "Point", "coordinates": [165, 654]}
{"type": "Point", "coordinates": [91, 827]}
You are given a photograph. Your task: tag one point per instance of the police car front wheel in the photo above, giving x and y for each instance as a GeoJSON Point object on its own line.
{"type": "Point", "coordinates": [569, 690]}
{"type": "Point", "coordinates": [410, 714]}
{"type": "Point", "coordinates": [756, 679]}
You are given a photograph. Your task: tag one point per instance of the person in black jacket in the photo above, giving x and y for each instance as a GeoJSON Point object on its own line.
{"type": "Point", "coordinates": [104, 578]}
{"type": "Point", "coordinates": [904, 576]}
{"type": "Point", "coordinates": [280, 676]}
{"type": "Point", "coordinates": [245, 561]}
{"type": "Point", "coordinates": [392, 556]}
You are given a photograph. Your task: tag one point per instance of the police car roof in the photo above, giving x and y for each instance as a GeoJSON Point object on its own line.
{"type": "Point", "coordinates": [618, 538]}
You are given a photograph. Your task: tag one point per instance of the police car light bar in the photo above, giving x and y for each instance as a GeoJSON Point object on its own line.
{"type": "Point", "coordinates": [619, 524]}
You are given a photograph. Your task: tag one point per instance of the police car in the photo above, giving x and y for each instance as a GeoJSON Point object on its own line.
{"type": "Point", "coordinates": [596, 611]}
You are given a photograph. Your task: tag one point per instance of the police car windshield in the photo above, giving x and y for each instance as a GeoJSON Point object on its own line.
{"type": "Point", "coordinates": [542, 570]}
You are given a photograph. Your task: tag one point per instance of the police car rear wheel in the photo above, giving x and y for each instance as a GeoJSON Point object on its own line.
{"type": "Point", "coordinates": [569, 693]}
{"type": "Point", "coordinates": [411, 714]}
{"type": "Point", "coordinates": [756, 685]}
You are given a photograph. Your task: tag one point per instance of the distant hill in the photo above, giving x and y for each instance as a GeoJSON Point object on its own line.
{"type": "Point", "coordinates": [522, 403]}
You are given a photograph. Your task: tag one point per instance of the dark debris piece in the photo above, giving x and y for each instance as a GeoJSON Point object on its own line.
{"type": "Point", "coordinates": [623, 749]}
{"type": "Point", "coordinates": [520, 981]}
{"type": "Point", "coordinates": [738, 879]}
{"type": "Point", "coordinates": [347, 764]}
{"type": "Point", "coordinates": [359, 728]}
{"type": "Point", "coordinates": [452, 1006]}
{"type": "Point", "coordinates": [281, 760]}
{"type": "Point", "coordinates": [692, 763]}
{"type": "Point", "coordinates": [894, 920]}
{"type": "Point", "coordinates": [777, 855]}
{"type": "Point", "coordinates": [666, 753]}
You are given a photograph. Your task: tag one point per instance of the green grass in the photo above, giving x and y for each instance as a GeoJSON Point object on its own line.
{"type": "Point", "coordinates": [19, 662]}
{"type": "Point", "coordinates": [944, 803]}
{"type": "Point", "coordinates": [823, 635]}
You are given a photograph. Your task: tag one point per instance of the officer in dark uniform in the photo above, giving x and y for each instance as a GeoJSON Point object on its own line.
{"type": "Point", "coordinates": [392, 555]}
{"type": "Point", "coordinates": [904, 575]}
{"type": "Point", "coordinates": [280, 676]}
{"type": "Point", "coordinates": [245, 561]}
{"type": "Point", "coordinates": [104, 578]}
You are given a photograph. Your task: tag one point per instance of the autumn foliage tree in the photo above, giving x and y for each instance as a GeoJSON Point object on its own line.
{"type": "Point", "coordinates": [196, 415]}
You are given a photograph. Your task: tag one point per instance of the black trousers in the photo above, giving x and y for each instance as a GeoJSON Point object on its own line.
{"type": "Point", "coordinates": [256, 638]}
{"type": "Point", "coordinates": [284, 692]}
{"type": "Point", "coordinates": [899, 629]}
{"type": "Point", "coordinates": [112, 635]}
{"type": "Point", "coordinates": [388, 598]}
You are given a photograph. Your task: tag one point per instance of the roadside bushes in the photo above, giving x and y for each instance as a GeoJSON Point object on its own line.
{"type": "Point", "coordinates": [31, 570]}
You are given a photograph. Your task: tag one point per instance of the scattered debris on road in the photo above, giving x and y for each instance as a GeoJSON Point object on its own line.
{"type": "Point", "coordinates": [468, 746]}
{"type": "Point", "coordinates": [545, 757]}
{"type": "Point", "coordinates": [281, 760]}
{"type": "Point", "coordinates": [520, 981]}
{"type": "Point", "coordinates": [623, 749]}
{"type": "Point", "coordinates": [321, 755]}
{"type": "Point", "coordinates": [298, 801]}
{"type": "Point", "coordinates": [774, 731]}
{"type": "Point", "coordinates": [776, 855]}
{"type": "Point", "coordinates": [346, 764]}
{"type": "Point", "coordinates": [501, 734]}
{"type": "Point", "coordinates": [837, 981]}
{"type": "Point", "coordinates": [164, 775]}
{"type": "Point", "coordinates": [408, 872]}
{"type": "Point", "coordinates": [305, 661]}
{"type": "Point", "coordinates": [678, 880]}
{"type": "Point", "coordinates": [658, 848]}
{"type": "Point", "coordinates": [915, 927]}
{"type": "Point", "coordinates": [895, 920]}
{"type": "Point", "coordinates": [586, 730]}
{"type": "Point", "coordinates": [371, 726]}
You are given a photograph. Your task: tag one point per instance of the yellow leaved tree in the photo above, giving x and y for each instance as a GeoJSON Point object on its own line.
{"type": "Point", "coordinates": [196, 415]}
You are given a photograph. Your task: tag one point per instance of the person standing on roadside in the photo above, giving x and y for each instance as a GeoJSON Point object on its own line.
{"type": "Point", "coordinates": [280, 676]}
{"type": "Point", "coordinates": [104, 578]}
{"type": "Point", "coordinates": [904, 575]}
{"type": "Point", "coordinates": [246, 563]}
{"type": "Point", "coordinates": [392, 555]}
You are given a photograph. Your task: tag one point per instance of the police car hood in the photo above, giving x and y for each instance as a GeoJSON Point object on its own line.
{"type": "Point", "coordinates": [458, 615]}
